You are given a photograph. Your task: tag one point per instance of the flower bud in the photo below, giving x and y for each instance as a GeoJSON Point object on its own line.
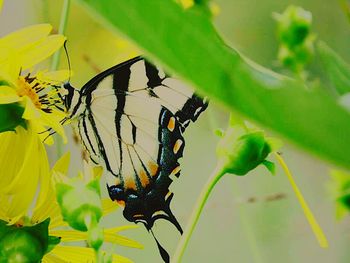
{"type": "Point", "coordinates": [293, 26]}
{"type": "Point", "coordinates": [241, 154]}
{"type": "Point", "coordinates": [296, 41]}
{"type": "Point", "coordinates": [23, 244]}
{"type": "Point", "coordinates": [79, 202]}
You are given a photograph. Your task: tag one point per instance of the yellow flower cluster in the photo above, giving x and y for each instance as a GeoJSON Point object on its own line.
{"type": "Point", "coordinates": [25, 176]}
{"type": "Point", "coordinates": [24, 168]}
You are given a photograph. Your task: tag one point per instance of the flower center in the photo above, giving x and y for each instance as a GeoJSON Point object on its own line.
{"type": "Point", "coordinates": [44, 95]}
{"type": "Point", "coordinates": [26, 89]}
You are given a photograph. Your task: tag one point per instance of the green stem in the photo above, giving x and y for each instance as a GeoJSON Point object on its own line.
{"type": "Point", "coordinates": [217, 174]}
{"type": "Point", "coordinates": [56, 61]}
{"type": "Point", "coordinates": [61, 30]}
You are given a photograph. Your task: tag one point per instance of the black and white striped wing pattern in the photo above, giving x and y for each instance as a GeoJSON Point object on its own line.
{"type": "Point", "coordinates": [131, 119]}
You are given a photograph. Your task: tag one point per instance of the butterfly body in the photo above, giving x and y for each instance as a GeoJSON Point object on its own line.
{"type": "Point", "coordinates": [131, 118]}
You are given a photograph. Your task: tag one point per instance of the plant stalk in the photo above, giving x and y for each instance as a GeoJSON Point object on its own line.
{"type": "Point", "coordinates": [56, 61]}
{"type": "Point", "coordinates": [217, 174]}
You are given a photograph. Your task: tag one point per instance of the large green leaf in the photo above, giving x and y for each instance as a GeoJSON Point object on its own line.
{"type": "Point", "coordinates": [335, 68]}
{"type": "Point", "coordinates": [186, 43]}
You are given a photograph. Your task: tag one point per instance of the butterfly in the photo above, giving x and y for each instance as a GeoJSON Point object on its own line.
{"type": "Point", "coordinates": [131, 119]}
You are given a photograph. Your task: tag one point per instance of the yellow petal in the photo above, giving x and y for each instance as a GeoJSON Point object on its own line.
{"type": "Point", "coordinates": [122, 228]}
{"type": "Point", "coordinates": [24, 150]}
{"type": "Point", "coordinates": [54, 77]}
{"type": "Point", "coordinates": [8, 95]}
{"type": "Point", "coordinates": [9, 65]}
{"type": "Point", "coordinates": [51, 258]}
{"type": "Point", "coordinates": [4, 206]}
{"type": "Point", "coordinates": [30, 111]}
{"type": "Point", "coordinates": [62, 164]}
{"type": "Point", "coordinates": [108, 206]}
{"type": "Point", "coordinates": [53, 120]}
{"type": "Point", "coordinates": [81, 254]}
{"type": "Point", "coordinates": [120, 259]}
{"type": "Point", "coordinates": [41, 50]}
{"type": "Point", "coordinates": [27, 179]}
{"type": "Point", "coordinates": [46, 194]}
{"type": "Point", "coordinates": [1, 2]}
{"type": "Point", "coordinates": [69, 235]}
{"type": "Point", "coordinates": [26, 37]}
{"type": "Point", "coordinates": [121, 240]}
{"type": "Point", "coordinates": [12, 152]}
{"type": "Point", "coordinates": [44, 209]}
{"type": "Point", "coordinates": [109, 236]}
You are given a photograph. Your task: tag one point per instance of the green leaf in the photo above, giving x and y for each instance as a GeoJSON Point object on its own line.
{"type": "Point", "coordinates": [11, 117]}
{"type": "Point", "coordinates": [270, 166]}
{"type": "Point", "coordinates": [186, 43]}
{"type": "Point", "coordinates": [335, 68]}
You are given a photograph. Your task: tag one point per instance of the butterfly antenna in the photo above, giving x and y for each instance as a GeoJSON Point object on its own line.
{"type": "Point", "coordinates": [163, 253]}
{"type": "Point", "coordinates": [68, 60]}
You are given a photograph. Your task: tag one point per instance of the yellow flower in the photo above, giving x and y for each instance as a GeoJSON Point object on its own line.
{"type": "Point", "coordinates": [47, 207]}
{"type": "Point", "coordinates": [38, 93]}
{"type": "Point", "coordinates": [24, 168]}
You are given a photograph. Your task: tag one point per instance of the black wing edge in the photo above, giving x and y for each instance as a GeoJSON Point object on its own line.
{"type": "Point", "coordinates": [191, 110]}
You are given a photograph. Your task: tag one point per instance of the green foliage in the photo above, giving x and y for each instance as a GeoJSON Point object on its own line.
{"type": "Point", "coordinates": [187, 44]}
{"type": "Point", "coordinates": [11, 117]}
{"type": "Point", "coordinates": [23, 244]}
{"type": "Point", "coordinates": [296, 42]}
{"type": "Point", "coordinates": [335, 68]}
{"type": "Point", "coordinates": [341, 192]}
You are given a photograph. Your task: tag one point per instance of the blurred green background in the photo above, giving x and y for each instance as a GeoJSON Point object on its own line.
{"type": "Point", "coordinates": [231, 229]}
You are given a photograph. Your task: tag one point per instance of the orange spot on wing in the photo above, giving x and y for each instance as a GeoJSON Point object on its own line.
{"type": "Point", "coordinates": [171, 124]}
{"type": "Point", "coordinates": [153, 168]}
{"type": "Point", "coordinates": [121, 203]}
{"type": "Point", "coordinates": [177, 146]}
{"type": "Point", "coordinates": [143, 178]}
{"type": "Point", "coordinates": [129, 183]}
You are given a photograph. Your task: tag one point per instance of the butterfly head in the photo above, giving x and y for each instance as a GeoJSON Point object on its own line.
{"type": "Point", "coordinates": [71, 97]}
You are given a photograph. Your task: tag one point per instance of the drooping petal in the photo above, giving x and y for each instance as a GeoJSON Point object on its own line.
{"type": "Point", "coordinates": [47, 206]}
{"type": "Point", "coordinates": [41, 50]}
{"type": "Point", "coordinates": [8, 95]}
{"type": "Point", "coordinates": [14, 146]}
{"type": "Point", "coordinates": [26, 181]}
{"type": "Point", "coordinates": [30, 157]}
{"type": "Point", "coordinates": [25, 37]}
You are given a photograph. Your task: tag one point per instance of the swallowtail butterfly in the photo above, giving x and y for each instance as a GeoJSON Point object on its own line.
{"type": "Point", "coordinates": [131, 118]}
